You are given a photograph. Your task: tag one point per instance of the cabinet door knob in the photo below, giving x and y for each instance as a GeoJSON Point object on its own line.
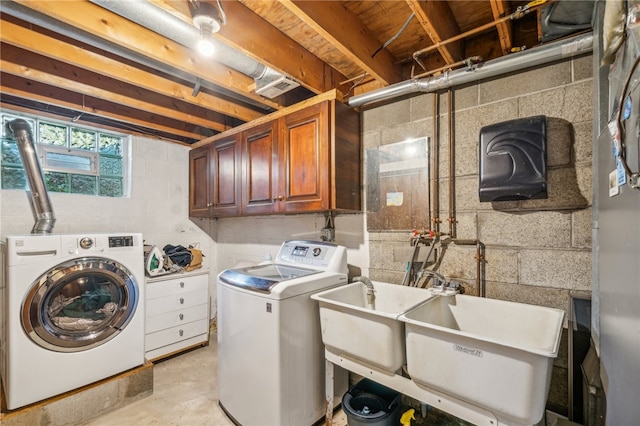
{"type": "Point", "coordinates": [181, 316]}
{"type": "Point", "coordinates": [181, 284]}
{"type": "Point", "coordinates": [280, 198]}
{"type": "Point", "coordinates": [181, 333]}
{"type": "Point", "coordinates": [209, 204]}
{"type": "Point", "coordinates": [182, 300]}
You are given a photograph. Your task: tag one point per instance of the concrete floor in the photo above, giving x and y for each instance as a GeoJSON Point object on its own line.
{"type": "Point", "coordinates": [184, 394]}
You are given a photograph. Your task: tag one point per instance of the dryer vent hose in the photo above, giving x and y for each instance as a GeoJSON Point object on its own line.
{"type": "Point", "coordinates": [37, 193]}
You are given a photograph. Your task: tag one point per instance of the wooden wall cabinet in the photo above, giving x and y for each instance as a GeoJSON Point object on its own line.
{"type": "Point", "coordinates": [304, 159]}
{"type": "Point", "coordinates": [199, 182]}
{"type": "Point", "coordinates": [214, 179]}
{"type": "Point", "coordinates": [259, 158]}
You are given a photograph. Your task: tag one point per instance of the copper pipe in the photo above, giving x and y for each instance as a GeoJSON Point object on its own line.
{"type": "Point", "coordinates": [452, 191]}
{"type": "Point", "coordinates": [481, 283]}
{"type": "Point", "coordinates": [435, 160]}
{"type": "Point", "coordinates": [513, 16]}
{"type": "Point", "coordinates": [468, 62]}
{"type": "Point", "coordinates": [352, 79]}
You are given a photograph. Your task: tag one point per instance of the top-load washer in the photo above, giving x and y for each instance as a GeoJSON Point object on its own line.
{"type": "Point", "coordinates": [270, 352]}
{"type": "Point", "coordinates": [73, 312]}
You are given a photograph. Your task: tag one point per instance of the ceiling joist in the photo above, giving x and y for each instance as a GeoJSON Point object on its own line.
{"type": "Point", "coordinates": [499, 9]}
{"type": "Point", "coordinates": [345, 32]}
{"type": "Point", "coordinates": [58, 97]}
{"type": "Point", "coordinates": [256, 38]}
{"type": "Point", "coordinates": [438, 22]}
{"type": "Point", "coordinates": [100, 22]}
{"type": "Point", "coordinates": [53, 48]}
{"type": "Point", "coordinates": [82, 59]}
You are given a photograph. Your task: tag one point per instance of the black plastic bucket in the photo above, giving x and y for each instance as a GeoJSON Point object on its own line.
{"type": "Point", "coordinates": [370, 403]}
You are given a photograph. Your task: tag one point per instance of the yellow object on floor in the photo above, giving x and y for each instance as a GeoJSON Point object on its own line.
{"type": "Point", "coordinates": [407, 416]}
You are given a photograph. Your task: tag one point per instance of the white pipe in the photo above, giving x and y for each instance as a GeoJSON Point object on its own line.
{"type": "Point", "coordinates": [506, 64]}
{"type": "Point", "coordinates": [152, 17]}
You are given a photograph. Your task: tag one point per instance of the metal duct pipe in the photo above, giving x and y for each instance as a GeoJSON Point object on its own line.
{"type": "Point", "coordinates": [29, 15]}
{"type": "Point", "coordinates": [38, 195]}
{"type": "Point", "coordinates": [160, 21]}
{"type": "Point", "coordinates": [506, 64]}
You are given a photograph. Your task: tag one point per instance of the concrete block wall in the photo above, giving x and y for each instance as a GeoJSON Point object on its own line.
{"type": "Point", "coordinates": [537, 251]}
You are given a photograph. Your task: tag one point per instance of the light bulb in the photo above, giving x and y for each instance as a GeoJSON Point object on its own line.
{"type": "Point", "coordinates": [205, 46]}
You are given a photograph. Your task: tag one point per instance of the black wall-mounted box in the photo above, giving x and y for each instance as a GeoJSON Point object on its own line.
{"type": "Point", "coordinates": [513, 160]}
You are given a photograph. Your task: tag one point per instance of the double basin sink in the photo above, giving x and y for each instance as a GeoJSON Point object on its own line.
{"type": "Point", "coordinates": [491, 353]}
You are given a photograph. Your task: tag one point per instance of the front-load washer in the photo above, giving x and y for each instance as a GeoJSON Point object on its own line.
{"type": "Point", "coordinates": [73, 312]}
{"type": "Point", "coordinates": [270, 352]}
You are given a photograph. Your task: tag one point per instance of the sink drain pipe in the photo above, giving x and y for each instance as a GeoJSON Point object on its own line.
{"type": "Point", "coordinates": [505, 64]}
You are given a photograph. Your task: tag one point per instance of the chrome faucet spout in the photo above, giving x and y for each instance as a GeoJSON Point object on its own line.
{"type": "Point", "coordinates": [439, 279]}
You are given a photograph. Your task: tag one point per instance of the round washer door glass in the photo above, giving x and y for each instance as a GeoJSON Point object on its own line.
{"type": "Point", "coordinates": [80, 304]}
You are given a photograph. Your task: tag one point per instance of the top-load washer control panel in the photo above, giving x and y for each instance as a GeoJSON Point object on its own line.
{"type": "Point", "coordinates": [317, 254]}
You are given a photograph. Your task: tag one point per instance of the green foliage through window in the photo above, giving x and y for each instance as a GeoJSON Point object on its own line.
{"type": "Point", "coordinates": [75, 159]}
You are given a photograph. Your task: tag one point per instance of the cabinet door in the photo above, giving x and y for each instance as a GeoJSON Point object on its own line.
{"type": "Point", "coordinates": [199, 182]}
{"type": "Point", "coordinates": [303, 160]}
{"type": "Point", "coordinates": [259, 150]}
{"type": "Point", "coordinates": [226, 168]}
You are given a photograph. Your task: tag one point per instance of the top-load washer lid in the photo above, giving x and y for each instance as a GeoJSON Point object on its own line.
{"type": "Point", "coordinates": [263, 277]}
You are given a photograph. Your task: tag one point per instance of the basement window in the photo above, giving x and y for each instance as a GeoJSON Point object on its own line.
{"type": "Point", "coordinates": [75, 159]}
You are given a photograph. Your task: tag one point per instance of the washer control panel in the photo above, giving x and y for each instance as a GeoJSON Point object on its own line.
{"type": "Point", "coordinates": [312, 253]}
{"type": "Point", "coordinates": [98, 243]}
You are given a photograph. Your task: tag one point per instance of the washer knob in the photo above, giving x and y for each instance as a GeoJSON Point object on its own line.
{"type": "Point", "coordinates": [317, 251]}
{"type": "Point", "coordinates": [86, 243]}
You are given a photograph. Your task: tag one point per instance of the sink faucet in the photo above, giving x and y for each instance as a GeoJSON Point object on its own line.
{"type": "Point", "coordinates": [439, 279]}
{"type": "Point", "coordinates": [370, 292]}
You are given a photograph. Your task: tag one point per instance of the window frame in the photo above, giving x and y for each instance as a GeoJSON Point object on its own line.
{"type": "Point", "coordinates": [94, 155]}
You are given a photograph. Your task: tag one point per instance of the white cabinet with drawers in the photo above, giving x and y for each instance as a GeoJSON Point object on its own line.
{"type": "Point", "coordinates": [177, 313]}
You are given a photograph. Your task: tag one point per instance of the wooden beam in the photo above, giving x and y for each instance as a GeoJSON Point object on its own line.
{"type": "Point", "coordinates": [439, 23]}
{"type": "Point", "coordinates": [346, 33]}
{"type": "Point", "coordinates": [256, 38]}
{"type": "Point", "coordinates": [53, 48]}
{"type": "Point", "coordinates": [109, 26]}
{"type": "Point", "coordinates": [82, 121]}
{"type": "Point", "coordinates": [86, 84]}
{"type": "Point", "coordinates": [33, 90]}
{"type": "Point", "coordinates": [499, 9]}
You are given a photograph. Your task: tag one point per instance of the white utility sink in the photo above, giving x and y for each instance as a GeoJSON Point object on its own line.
{"type": "Point", "coordinates": [372, 334]}
{"type": "Point", "coordinates": [491, 353]}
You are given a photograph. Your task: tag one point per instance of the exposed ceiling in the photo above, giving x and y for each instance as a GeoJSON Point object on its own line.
{"type": "Point", "coordinates": [85, 61]}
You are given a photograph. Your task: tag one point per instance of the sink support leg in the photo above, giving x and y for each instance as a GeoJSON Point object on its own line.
{"type": "Point", "coordinates": [328, 391]}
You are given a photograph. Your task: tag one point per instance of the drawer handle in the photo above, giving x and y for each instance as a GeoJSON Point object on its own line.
{"type": "Point", "coordinates": [182, 300]}
{"type": "Point", "coordinates": [181, 316]}
{"type": "Point", "coordinates": [181, 284]}
{"type": "Point", "coordinates": [181, 332]}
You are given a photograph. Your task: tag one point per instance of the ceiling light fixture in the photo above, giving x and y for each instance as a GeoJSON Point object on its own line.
{"type": "Point", "coordinates": [208, 19]}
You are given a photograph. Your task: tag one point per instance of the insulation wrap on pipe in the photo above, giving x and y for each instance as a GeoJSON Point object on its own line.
{"type": "Point", "coordinates": [503, 65]}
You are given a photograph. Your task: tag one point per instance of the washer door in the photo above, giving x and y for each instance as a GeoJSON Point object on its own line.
{"type": "Point", "coordinates": [80, 304]}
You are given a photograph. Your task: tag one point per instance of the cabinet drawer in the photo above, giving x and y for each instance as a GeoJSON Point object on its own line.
{"type": "Point", "coordinates": [171, 319]}
{"type": "Point", "coordinates": [176, 285]}
{"type": "Point", "coordinates": [177, 301]}
{"type": "Point", "coordinates": [175, 334]}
